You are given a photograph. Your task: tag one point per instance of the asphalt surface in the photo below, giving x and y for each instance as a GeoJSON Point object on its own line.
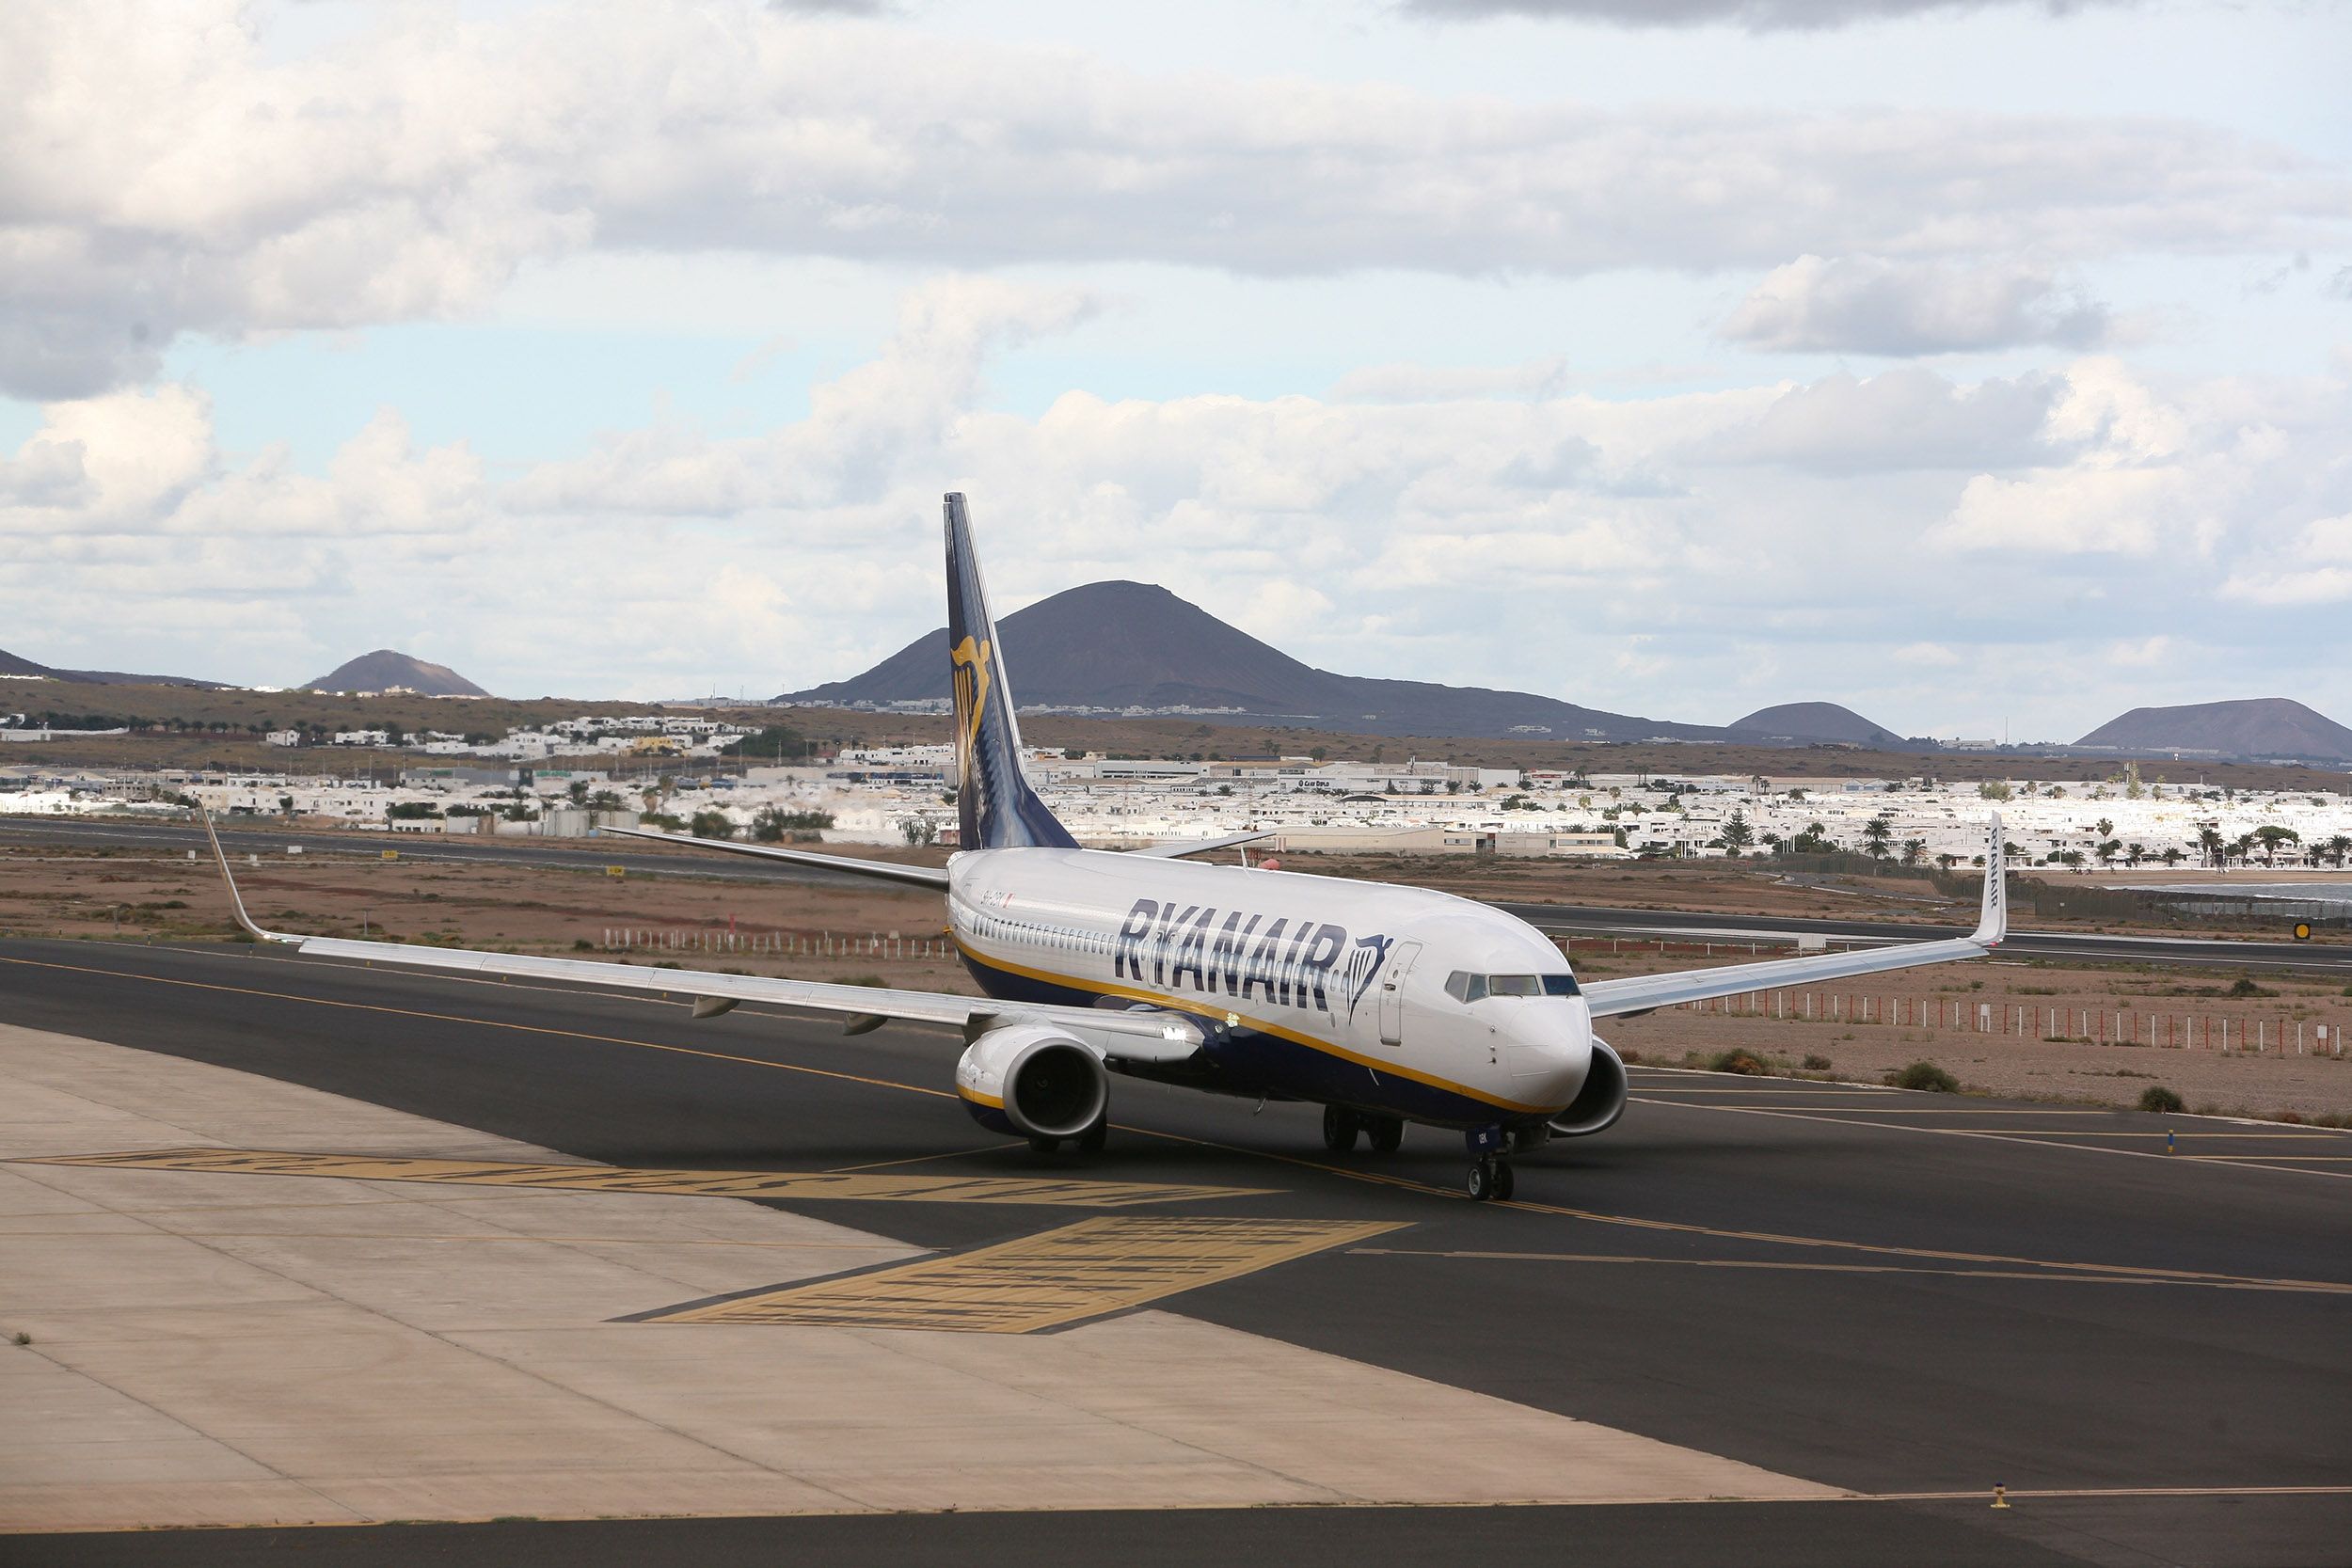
{"type": "Point", "coordinates": [1915, 1297]}
{"type": "Point", "coordinates": [639, 860]}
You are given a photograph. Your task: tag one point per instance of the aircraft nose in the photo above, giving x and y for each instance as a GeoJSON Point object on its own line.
{"type": "Point", "coordinates": [1554, 1053]}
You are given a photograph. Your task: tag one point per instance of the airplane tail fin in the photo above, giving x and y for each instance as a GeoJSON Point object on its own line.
{"type": "Point", "coordinates": [1993, 916]}
{"type": "Point", "coordinates": [999, 809]}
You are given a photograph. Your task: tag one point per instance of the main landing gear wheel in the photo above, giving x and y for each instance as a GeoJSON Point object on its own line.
{"type": "Point", "coordinates": [1043, 1146]}
{"type": "Point", "coordinates": [1490, 1179]}
{"type": "Point", "coordinates": [1340, 1127]}
{"type": "Point", "coordinates": [1091, 1140]}
{"type": "Point", "coordinates": [1384, 1134]}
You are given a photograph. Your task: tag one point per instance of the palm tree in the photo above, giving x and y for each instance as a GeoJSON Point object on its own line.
{"type": "Point", "coordinates": [1876, 834]}
{"type": "Point", "coordinates": [1913, 849]}
{"type": "Point", "coordinates": [2337, 848]}
{"type": "Point", "coordinates": [2209, 840]}
{"type": "Point", "coordinates": [2106, 852]}
{"type": "Point", "coordinates": [2171, 855]}
{"type": "Point", "coordinates": [2135, 853]}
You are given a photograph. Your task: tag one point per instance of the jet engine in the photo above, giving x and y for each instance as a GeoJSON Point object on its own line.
{"type": "Point", "coordinates": [1599, 1102]}
{"type": "Point", "coordinates": [1033, 1080]}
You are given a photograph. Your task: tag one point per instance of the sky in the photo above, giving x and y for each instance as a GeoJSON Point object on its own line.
{"type": "Point", "coordinates": [1983, 365]}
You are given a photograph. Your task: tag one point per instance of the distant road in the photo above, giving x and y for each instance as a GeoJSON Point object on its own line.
{"type": "Point", "coordinates": [247, 838]}
{"type": "Point", "coordinates": [247, 835]}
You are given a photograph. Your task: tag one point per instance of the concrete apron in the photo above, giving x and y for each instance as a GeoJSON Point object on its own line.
{"type": "Point", "coordinates": [213, 1349]}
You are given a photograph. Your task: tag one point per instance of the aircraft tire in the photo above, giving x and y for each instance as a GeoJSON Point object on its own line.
{"type": "Point", "coordinates": [1091, 1140]}
{"type": "Point", "coordinates": [1506, 1182]}
{"type": "Point", "coordinates": [1340, 1127]}
{"type": "Point", "coordinates": [1044, 1145]}
{"type": "Point", "coordinates": [1384, 1134]}
{"type": "Point", "coordinates": [1480, 1184]}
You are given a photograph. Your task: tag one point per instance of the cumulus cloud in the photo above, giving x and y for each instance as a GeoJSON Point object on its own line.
{"type": "Point", "coordinates": [1902, 418]}
{"type": "Point", "coordinates": [2010, 527]}
{"type": "Point", "coordinates": [1754, 15]}
{"type": "Point", "coordinates": [180, 167]}
{"type": "Point", "coordinates": [1872, 305]}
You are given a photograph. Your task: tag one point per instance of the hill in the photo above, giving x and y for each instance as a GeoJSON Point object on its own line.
{"type": "Point", "coordinates": [1135, 647]}
{"type": "Point", "coordinates": [2249, 727]}
{"type": "Point", "coordinates": [10, 664]}
{"type": "Point", "coordinates": [385, 670]}
{"type": "Point", "coordinates": [1804, 723]}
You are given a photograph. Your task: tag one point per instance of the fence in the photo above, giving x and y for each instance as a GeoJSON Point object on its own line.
{"type": "Point", "coordinates": [2092, 1026]}
{"type": "Point", "coordinates": [826, 944]}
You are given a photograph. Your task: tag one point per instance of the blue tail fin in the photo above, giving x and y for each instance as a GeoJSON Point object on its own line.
{"type": "Point", "coordinates": [999, 808]}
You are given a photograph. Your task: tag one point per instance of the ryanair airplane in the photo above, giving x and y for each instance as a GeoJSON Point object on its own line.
{"type": "Point", "coordinates": [1384, 1004]}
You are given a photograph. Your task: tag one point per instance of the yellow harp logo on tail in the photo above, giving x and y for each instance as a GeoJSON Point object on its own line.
{"type": "Point", "coordinates": [970, 659]}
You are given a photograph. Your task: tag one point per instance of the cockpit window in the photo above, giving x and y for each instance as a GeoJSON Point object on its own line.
{"type": "Point", "coordinates": [1465, 986]}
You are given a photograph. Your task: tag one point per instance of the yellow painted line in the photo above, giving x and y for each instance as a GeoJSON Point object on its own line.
{"type": "Point", "coordinates": [2037, 1138]}
{"type": "Point", "coordinates": [925, 1158]}
{"type": "Point", "coordinates": [379, 1237]}
{"type": "Point", "coordinates": [1219, 1014]}
{"type": "Point", "coordinates": [1913, 1110]}
{"type": "Point", "coordinates": [796, 1185]}
{"type": "Point", "coordinates": [1050, 1280]}
{"type": "Point", "coordinates": [2265, 1155]}
{"type": "Point", "coordinates": [2058, 1272]}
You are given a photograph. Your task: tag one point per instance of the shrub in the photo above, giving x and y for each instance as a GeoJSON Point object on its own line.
{"type": "Point", "coordinates": [1817, 1063]}
{"type": "Point", "coordinates": [2244, 986]}
{"type": "Point", "coordinates": [1926, 1076]}
{"type": "Point", "coordinates": [2156, 1097]}
{"type": "Point", "coordinates": [1739, 1061]}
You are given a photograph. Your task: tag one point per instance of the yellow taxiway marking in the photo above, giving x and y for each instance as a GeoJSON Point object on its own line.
{"type": "Point", "coordinates": [2039, 1137]}
{"type": "Point", "coordinates": [2058, 1272]}
{"type": "Point", "coordinates": [695, 1183]}
{"type": "Point", "coordinates": [1374, 1178]}
{"type": "Point", "coordinates": [1049, 1280]}
{"type": "Point", "coordinates": [1913, 1110]}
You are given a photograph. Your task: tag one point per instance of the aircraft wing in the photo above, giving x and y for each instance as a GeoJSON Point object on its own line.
{"type": "Point", "coordinates": [888, 871]}
{"type": "Point", "coordinates": [1193, 847]}
{"type": "Point", "coordinates": [1129, 1035]}
{"type": "Point", "coordinates": [1642, 993]}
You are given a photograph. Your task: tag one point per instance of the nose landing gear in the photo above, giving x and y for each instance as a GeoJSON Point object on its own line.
{"type": "Point", "coordinates": [1490, 1178]}
{"type": "Point", "coordinates": [1490, 1171]}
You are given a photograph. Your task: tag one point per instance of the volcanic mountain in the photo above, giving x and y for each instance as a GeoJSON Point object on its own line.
{"type": "Point", "coordinates": [384, 669]}
{"type": "Point", "coordinates": [1120, 645]}
{"type": "Point", "coordinates": [10, 664]}
{"type": "Point", "coordinates": [1804, 723]}
{"type": "Point", "coordinates": [2261, 727]}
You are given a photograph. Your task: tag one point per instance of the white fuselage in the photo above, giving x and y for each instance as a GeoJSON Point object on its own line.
{"type": "Point", "coordinates": [1313, 988]}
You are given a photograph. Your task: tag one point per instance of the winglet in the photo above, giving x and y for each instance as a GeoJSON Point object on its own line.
{"type": "Point", "coordinates": [236, 899]}
{"type": "Point", "coordinates": [1992, 922]}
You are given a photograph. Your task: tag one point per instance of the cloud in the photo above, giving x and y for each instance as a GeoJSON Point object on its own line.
{"type": "Point", "coordinates": [197, 166]}
{"type": "Point", "coordinates": [1905, 418]}
{"type": "Point", "coordinates": [1870, 304]}
{"type": "Point", "coordinates": [1754, 15]}
{"type": "Point", "coordinates": [1849, 539]}
{"type": "Point", "coordinates": [1535, 378]}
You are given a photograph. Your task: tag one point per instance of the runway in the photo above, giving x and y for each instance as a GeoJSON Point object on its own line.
{"type": "Point", "coordinates": [595, 854]}
{"type": "Point", "coordinates": [1906, 1298]}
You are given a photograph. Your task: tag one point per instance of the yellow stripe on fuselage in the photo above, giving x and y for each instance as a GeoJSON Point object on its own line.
{"type": "Point", "coordinates": [1201, 1009]}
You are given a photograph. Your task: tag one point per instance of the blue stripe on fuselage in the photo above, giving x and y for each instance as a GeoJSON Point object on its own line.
{"type": "Point", "coordinates": [1251, 1061]}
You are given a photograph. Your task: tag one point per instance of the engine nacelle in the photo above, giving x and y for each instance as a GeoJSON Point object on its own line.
{"type": "Point", "coordinates": [1599, 1102]}
{"type": "Point", "coordinates": [1032, 1080]}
